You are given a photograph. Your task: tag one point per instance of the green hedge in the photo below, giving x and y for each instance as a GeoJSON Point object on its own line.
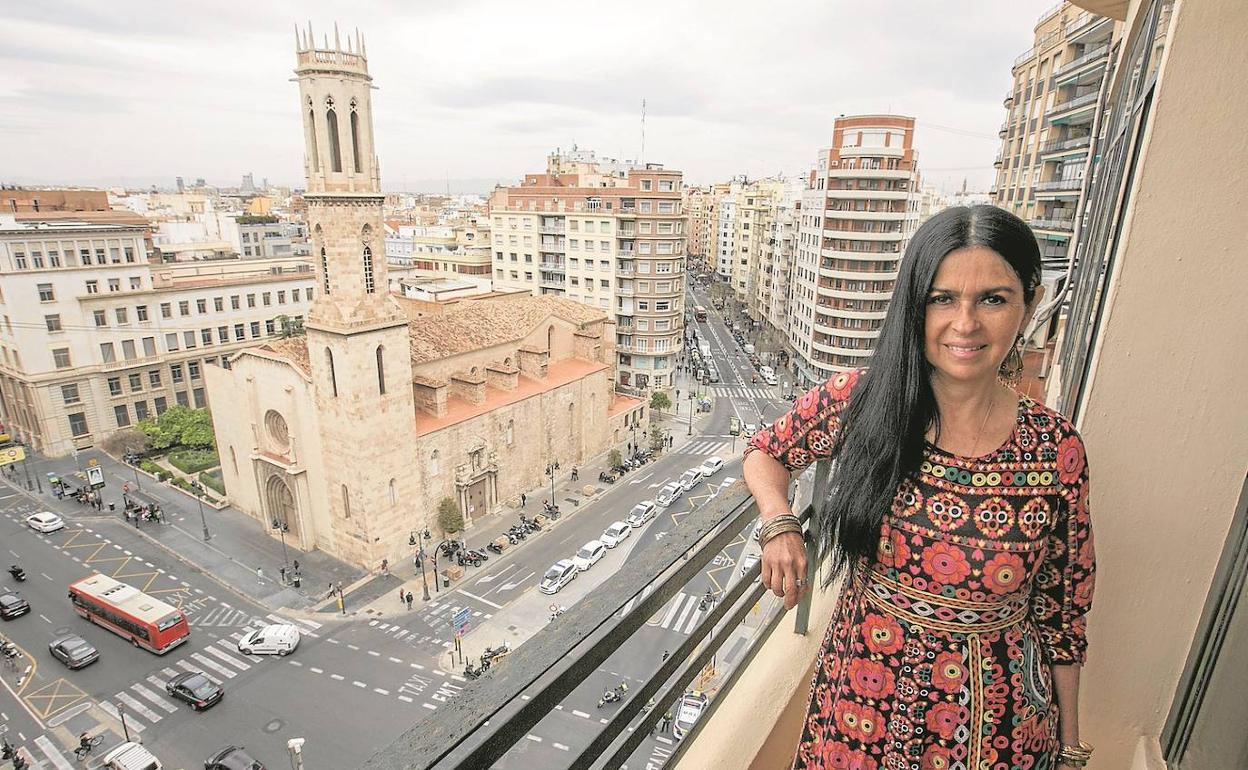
{"type": "Point", "coordinates": [191, 461]}
{"type": "Point", "coordinates": [154, 469]}
{"type": "Point", "coordinates": [213, 481]}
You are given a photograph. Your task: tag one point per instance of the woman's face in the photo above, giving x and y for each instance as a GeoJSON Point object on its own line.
{"type": "Point", "coordinates": [975, 311]}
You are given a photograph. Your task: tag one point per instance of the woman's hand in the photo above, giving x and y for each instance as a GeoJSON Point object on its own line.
{"type": "Point", "coordinates": [784, 564]}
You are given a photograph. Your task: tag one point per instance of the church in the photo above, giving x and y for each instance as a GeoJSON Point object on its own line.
{"type": "Point", "coordinates": [347, 438]}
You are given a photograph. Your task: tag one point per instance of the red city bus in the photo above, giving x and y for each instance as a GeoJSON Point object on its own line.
{"type": "Point", "coordinates": [128, 612]}
{"type": "Point", "coordinates": [699, 313]}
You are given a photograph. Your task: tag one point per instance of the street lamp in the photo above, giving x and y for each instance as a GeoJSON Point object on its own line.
{"type": "Point", "coordinates": [199, 491]}
{"type": "Point", "coordinates": [282, 527]}
{"type": "Point", "coordinates": [413, 541]}
{"type": "Point", "coordinates": [690, 433]}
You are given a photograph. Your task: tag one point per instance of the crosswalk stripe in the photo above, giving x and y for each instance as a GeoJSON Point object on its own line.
{"type": "Point", "coordinates": [160, 683]}
{"type": "Point", "coordinates": [215, 666]}
{"type": "Point", "coordinates": [675, 606]}
{"type": "Point", "coordinates": [235, 662]}
{"type": "Point", "coordinates": [169, 672]}
{"type": "Point", "coordinates": [54, 756]}
{"type": "Point", "coordinates": [134, 704]}
{"type": "Point", "coordinates": [154, 698]}
{"type": "Point", "coordinates": [689, 605]}
{"type": "Point", "coordinates": [132, 724]}
{"type": "Point", "coordinates": [188, 666]}
{"type": "Point", "coordinates": [312, 623]}
{"type": "Point", "coordinates": [693, 621]}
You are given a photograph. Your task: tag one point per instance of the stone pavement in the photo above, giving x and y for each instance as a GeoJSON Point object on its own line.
{"type": "Point", "coordinates": [238, 544]}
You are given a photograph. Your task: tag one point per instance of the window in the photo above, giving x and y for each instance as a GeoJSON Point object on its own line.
{"type": "Point", "coordinates": [136, 283]}
{"type": "Point", "coordinates": [223, 334]}
{"type": "Point", "coordinates": [114, 284]}
{"type": "Point", "coordinates": [270, 328]}
{"type": "Point", "coordinates": [60, 357]}
{"type": "Point", "coordinates": [171, 341]}
{"type": "Point", "coordinates": [251, 300]}
{"type": "Point", "coordinates": [53, 322]}
{"type": "Point", "coordinates": [175, 373]}
{"type": "Point", "coordinates": [136, 382]}
{"type": "Point", "coordinates": [149, 346]}
{"type": "Point", "coordinates": [161, 404]}
{"type": "Point", "coordinates": [255, 329]}
{"type": "Point", "coordinates": [93, 287]}
{"type": "Point", "coordinates": [181, 397]}
{"type": "Point", "coordinates": [192, 368]}
{"type": "Point", "coordinates": [205, 336]}
{"type": "Point", "coordinates": [107, 354]}
{"type": "Point", "coordinates": [129, 253]}
{"type": "Point", "coordinates": [234, 302]}
{"type": "Point", "coordinates": [153, 378]}
{"type": "Point", "coordinates": [78, 424]}
{"type": "Point", "coordinates": [19, 260]}
{"type": "Point", "coordinates": [218, 304]}
{"type": "Point", "coordinates": [115, 253]}
{"type": "Point", "coordinates": [127, 350]}
{"type": "Point", "coordinates": [166, 310]}
{"type": "Point", "coordinates": [381, 370]}
{"type": "Point", "coordinates": [140, 410]}
{"type": "Point", "coordinates": [123, 316]}
{"type": "Point", "coordinates": [69, 394]}
{"type": "Point", "coordinates": [369, 287]}
{"type": "Point", "coordinates": [666, 185]}
{"type": "Point", "coordinates": [200, 401]}
{"type": "Point", "coordinates": [646, 185]}
{"type": "Point", "coordinates": [184, 308]}
{"type": "Point", "coordinates": [201, 306]}
{"type": "Point", "coordinates": [239, 332]}
{"type": "Point", "coordinates": [99, 256]}
{"type": "Point", "coordinates": [140, 312]}
{"type": "Point", "coordinates": [433, 463]}
{"type": "Point", "coordinates": [267, 298]}
{"type": "Point", "coordinates": [188, 339]}
{"type": "Point", "coordinates": [346, 502]}
{"type": "Point", "coordinates": [281, 297]}
{"type": "Point", "coordinates": [122, 414]}
{"type": "Point", "coordinates": [45, 292]}
{"type": "Point", "coordinates": [114, 386]}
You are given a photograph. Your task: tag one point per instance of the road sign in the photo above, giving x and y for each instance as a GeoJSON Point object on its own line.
{"type": "Point", "coordinates": [95, 476]}
{"type": "Point", "coordinates": [12, 454]}
{"type": "Point", "coordinates": [460, 621]}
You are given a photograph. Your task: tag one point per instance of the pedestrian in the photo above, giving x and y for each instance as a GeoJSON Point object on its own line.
{"type": "Point", "coordinates": [402, 595]}
{"type": "Point", "coordinates": [281, 571]}
{"type": "Point", "coordinates": [259, 574]}
{"type": "Point", "coordinates": [410, 599]}
{"type": "Point", "coordinates": [331, 591]}
{"type": "Point", "coordinates": [296, 565]}
{"type": "Point", "coordinates": [523, 499]}
{"type": "Point", "coordinates": [385, 566]}
{"type": "Point", "coordinates": [574, 473]}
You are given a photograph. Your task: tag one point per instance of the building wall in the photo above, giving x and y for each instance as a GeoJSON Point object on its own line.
{"type": "Point", "coordinates": [41, 201]}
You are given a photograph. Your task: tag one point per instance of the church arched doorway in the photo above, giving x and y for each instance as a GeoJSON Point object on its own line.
{"type": "Point", "coordinates": [280, 503]}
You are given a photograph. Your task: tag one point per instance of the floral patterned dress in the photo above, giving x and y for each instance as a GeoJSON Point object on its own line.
{"type": "Point", "coordinates": [938, 654]}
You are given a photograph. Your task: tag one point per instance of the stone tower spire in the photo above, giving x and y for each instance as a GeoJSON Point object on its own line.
{"type": "Point", "coordinates": [358, 342]}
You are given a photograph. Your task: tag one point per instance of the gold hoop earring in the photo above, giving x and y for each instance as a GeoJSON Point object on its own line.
{"type": "Point", "coordinates": [1011, 371]}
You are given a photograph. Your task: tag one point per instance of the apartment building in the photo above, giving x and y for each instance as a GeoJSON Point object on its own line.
{"type": "Point", "coordinates": [457, 250]}
{"type": "Point", "coordinates": [32, 201]}
{"type": "Point", "coordinates": [1048, 128]}
{"type": "Point", "coordinates": [611, 235]}
{"type": "Point", "coordinates": [859, 209]}
{"type": "Point", "coordinates": [700, 211]}
{"type": "Point", "coordinates": [94, 337]}
{"type": "Point", "coordinates": [775, 265]}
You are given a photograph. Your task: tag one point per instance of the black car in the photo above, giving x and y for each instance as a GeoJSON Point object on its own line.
{"type": "Point", "coordinates": [195, 689]}
{"type": "Point", "coordinates": [233, 758]}
{"type": "Point", "coordinates": [12, 605]}
{"type": "Point", "coordinates": [74, 651]}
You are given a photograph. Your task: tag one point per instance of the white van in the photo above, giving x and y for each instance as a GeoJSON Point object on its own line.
{"type": "Point", "coordinates": [131, 756]}
{"type": "Point", "coordinates": [767, 372]}
{"type": "Point", "coordinates": [749, 348]}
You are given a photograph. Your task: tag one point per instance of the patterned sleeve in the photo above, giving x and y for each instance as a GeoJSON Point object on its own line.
{"type": "Point", "coordinates": [806, 433]}
{"type": "Point", "coordinates": [1067, 577]}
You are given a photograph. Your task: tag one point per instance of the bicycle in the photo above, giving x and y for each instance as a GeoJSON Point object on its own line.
{"type": "Point", "coordinates": [84, 748]}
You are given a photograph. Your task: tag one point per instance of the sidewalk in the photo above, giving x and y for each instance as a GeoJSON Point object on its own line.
{"type": "Point", "coordinates": [569, 496]}
{"type": "Point", "coordinates": [239, 555]}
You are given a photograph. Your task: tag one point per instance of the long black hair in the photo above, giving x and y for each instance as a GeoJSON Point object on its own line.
{"type": "Point", "coordinates": [883, 427]}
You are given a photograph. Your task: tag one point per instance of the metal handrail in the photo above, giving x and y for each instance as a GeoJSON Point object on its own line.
{"type": "Point", "coordinates": [1088, 56]}
{"type": "Point", "coordinates": [556, 660]}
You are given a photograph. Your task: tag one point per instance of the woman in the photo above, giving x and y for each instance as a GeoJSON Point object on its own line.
{"type": "Point", "coordinates": [957, 513]}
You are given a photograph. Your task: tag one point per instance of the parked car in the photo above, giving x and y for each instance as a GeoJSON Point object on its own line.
{"type": "Point", "coordinates": [232, 758]}
{"type": "Point", "coordinates": [750, 429]}
{"type": "Point", "coordinates": [769, 378]}
{"type": "Point", "coordinates": [710, 466]}
{"type": "Point", "coordinates": [690, 478]}
{"type": "Point", "coordinates": [615, 534]}
{"type": "Point", "coordinates": [131, 756]}
{"type": "Point", "coordinates": [748, 562]}
{"type": "Point", "coordinates": [74, 651]}
{"type": "Point", "coordinates": [195, 690]}
{"type": "Point", "coordinates": [45, 522]}
{"type": "Point", "coordinates": [12, 605]}
{"type": "Point", "coordinates": [669, 494]}
{"type": "Point", "coordinates": [712, 374]}
{"type": "Point", "coordinates": [641, 513]}
{"type": "Point", "coordinates": [275, 639]}
{"type": "Point", "coordinates": [589, 555]}
{"type": "Point", "coordinates": [563, 572]}
{"type": "Point", "coordinates": [688, 711]}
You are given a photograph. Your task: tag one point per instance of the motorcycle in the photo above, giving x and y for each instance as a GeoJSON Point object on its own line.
{"type": "Point", "coordinates": [495, 547]}
{"type": "Point", "coordinates": [614, 695]}
{"type": "Point", "coordinates": [606, 478]}
{"type": "Point", "coordinates": [18, 573]}
{"type": "Point", "coordinates": [8, 649]}
{"type": "Point", "coordinates": [449, 548]}
{"type": "Point", "coordinates": [557, 610]}
{"type": "Point", "coordinates": [471, 673]}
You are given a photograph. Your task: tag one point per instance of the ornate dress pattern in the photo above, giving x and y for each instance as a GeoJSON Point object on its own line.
{"type": "Point", "coordinates": [938, 654]}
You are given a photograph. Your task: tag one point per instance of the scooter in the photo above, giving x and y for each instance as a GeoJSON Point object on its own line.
{"type": "Point", "coordinates": [18, 573]}
{"type": "Point", "coordinates": [557, 611]}
{"type": "Point", "coordinates": [495, 547]}
{"type": "Point", "coordinates": [606, 478]}
{"type": "Point", "coordinates": [471, 673]}
{"type": "Point", "coordinates": [614, 695]}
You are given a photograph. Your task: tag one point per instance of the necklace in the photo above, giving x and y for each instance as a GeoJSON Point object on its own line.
{"type": "Point", "coordinates": [982, 425]}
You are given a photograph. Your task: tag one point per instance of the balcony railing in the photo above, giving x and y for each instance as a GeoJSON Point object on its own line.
{"type": "Point", "coordinates": [1096, 53]}
{"type": "Point", "coordinates": [1065, 144]}
{"type": "Point", "coordinates": [1063, 225]}
{"type": "Point", "coordinates": [552, 229]}
{"type": "Point", "coordinates": [542, 672]}
{"type": "Point", "coordinates": [1004, 129]}
{"type": "Point", "coordinates": [559, 266]}
{"type": "Point", "coordinates": [1078, 101]}
{"type": "Point", "coordinates": [1059, 184]}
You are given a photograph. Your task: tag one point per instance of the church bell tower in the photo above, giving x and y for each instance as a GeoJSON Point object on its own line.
{"type": "Point", "coordinates": [358, 342]}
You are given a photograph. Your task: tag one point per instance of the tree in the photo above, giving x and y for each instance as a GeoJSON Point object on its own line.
{"type": "Point", "coordinates": [180, 426]}
{"type": "Point", "coordinates": [657, 438]}
{"type": "Point", "coordinates": [450, 520]}
{"type": "Point", "coordinates": [720, 292]}
{"type": "Point", "coordinates": [660, 401]}
{"type": "Point", "coordinates": [614, 458]}
{"type": "Point", "coordinates": [287, 326]}
{"type": "Point", "coordinates": [124, 441]}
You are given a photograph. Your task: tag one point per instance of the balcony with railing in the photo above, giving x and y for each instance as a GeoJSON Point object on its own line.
{"type": "Point", "coordinates": [1059, 185]}
{"type": "Point", "coordinates": [493, 715]}
{"type": "Point", "coordinates": [1062, 145]}
{"type": "Point", "coordinates": [1058, 225]}
{"type": "Point", "coordinates": [1086, 100]}
{"type": "Point", "coordinates": [1099, 52]}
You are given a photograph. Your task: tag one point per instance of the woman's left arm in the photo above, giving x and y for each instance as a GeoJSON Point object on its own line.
{"type": "Point", "coordinates": [1066, 689]}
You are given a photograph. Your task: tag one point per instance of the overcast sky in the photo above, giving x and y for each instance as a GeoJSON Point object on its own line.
{"type": "Point", "coordinates": [131, 92]}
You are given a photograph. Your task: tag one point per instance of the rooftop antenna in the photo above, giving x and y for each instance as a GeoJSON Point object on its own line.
{"type": "Point", "coordinates": [643, 132]}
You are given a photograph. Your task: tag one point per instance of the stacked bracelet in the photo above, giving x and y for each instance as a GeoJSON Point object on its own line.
{"type": "Point", "coordinates": [1075, 756]}
{"type": "Point", "coordinates": [778, 525]}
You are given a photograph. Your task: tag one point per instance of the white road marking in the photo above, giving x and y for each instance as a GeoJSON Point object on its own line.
{"type": "Point", "coordinates": [339, 677]}
{"type": "Point", "coordinates": [430, 706]}
{"type": "Point", "coordinates": [154, 698]}
{"type": "Point", "coordinates": [52, 753]}
{"type": "Point", "coordinates": [533, 738]}
{"type": "Point", "coordinates": [483, 601]}
{"type": "Point", "coordinates": [316, 670]}
{"type": "Point", "coordinates": [580, 714]}
{"type": "Point", "coordinates": [405, 698]}
{"type": "Point", "coordinates": [134, 704]}
{"type": "Point", "coordinates": [240, 665]}
{"type": "Point", "coordinates": [111, 710]}
{"type": "Point", "coordinates": [204, 660]}
{"type": "Point", "coordinates": [560, 746]}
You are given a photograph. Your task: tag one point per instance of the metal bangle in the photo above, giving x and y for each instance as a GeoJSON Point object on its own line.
{"type": "Point", "coordinates": [767, 534]}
